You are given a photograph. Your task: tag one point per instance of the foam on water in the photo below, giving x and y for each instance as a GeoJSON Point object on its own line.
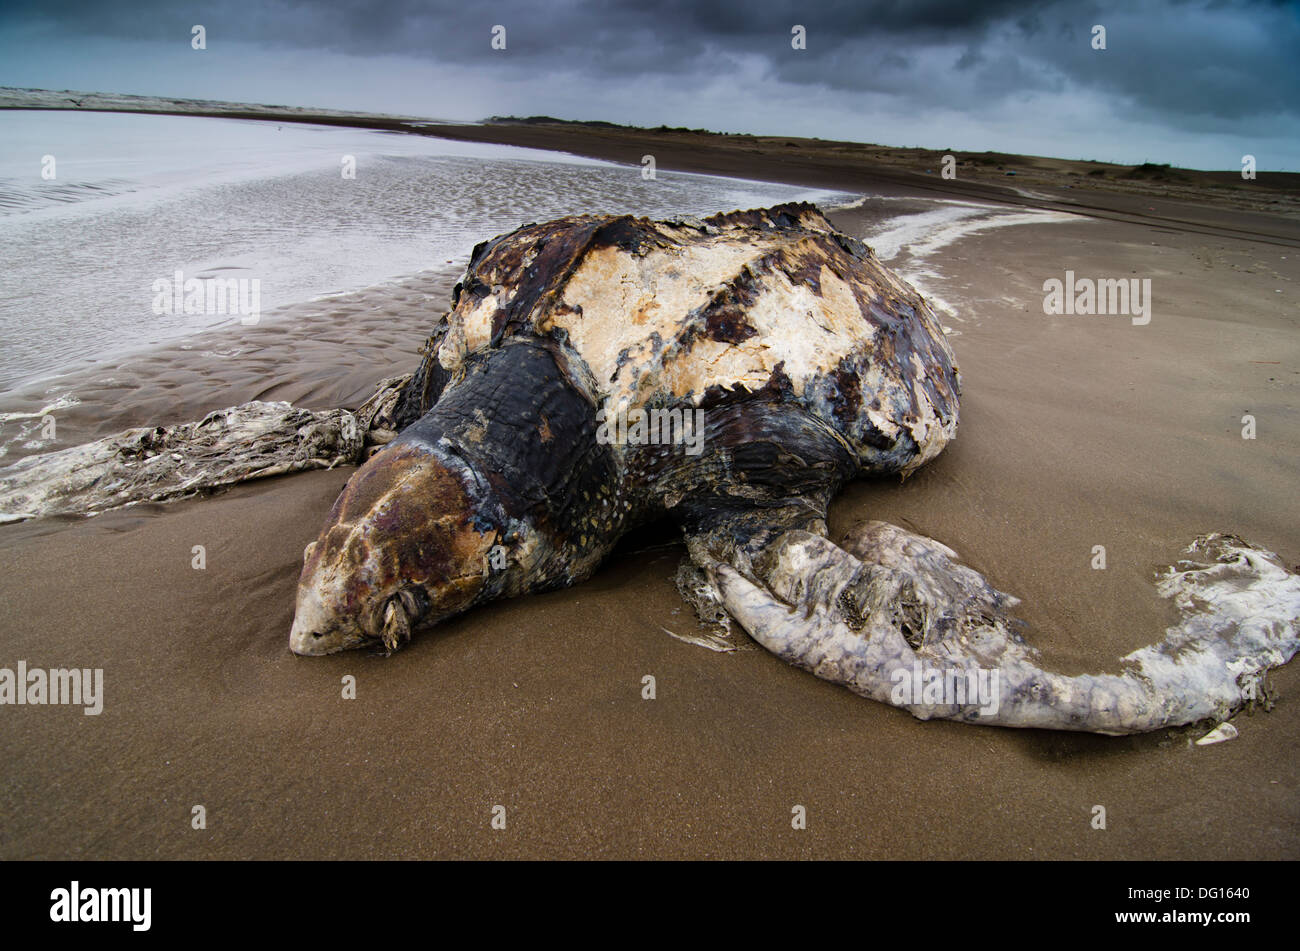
{"type": "Point", "coordinates": [906, 242]}
{"type": "Point", "coordinates": [923, 233]}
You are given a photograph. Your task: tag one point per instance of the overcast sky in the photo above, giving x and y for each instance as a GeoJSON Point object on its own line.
{"type": "Point", "coordinates": [1196, 83]}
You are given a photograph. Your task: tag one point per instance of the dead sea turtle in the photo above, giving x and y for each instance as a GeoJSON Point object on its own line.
{"type": "Point", "coordinates": [731, 373]}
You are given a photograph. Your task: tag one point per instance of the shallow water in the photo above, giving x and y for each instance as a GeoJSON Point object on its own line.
{"type": "Point", "coordinates": [135, 199]}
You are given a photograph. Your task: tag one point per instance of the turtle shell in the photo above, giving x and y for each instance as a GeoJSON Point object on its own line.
{"type": "Point", "coordinates": [763, 306]}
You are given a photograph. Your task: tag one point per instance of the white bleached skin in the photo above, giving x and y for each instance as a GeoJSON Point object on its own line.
{"type": "Point", "coordinates": [1240, 608]}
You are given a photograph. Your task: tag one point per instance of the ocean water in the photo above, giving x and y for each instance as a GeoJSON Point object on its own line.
{"type": "Point", "coordinates": [135, 199]}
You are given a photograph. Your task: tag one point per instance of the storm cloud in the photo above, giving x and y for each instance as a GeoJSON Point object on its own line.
{"type": "Point", "coordinates": [1192, 82]}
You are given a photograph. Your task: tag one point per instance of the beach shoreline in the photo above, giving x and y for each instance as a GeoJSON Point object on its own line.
{"type": "Point", "coordinates": [1105, 189]}
{"type": "Point", "coordinates": [1077, 431]}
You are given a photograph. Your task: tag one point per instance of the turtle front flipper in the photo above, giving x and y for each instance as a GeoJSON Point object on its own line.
{"type": "Point", "coordinates": [896, 617]}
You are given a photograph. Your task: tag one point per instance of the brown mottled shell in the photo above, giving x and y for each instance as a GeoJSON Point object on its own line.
{"type": "Point", "coordinates": [772, 302]}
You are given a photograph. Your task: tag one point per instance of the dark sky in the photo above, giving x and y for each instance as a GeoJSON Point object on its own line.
{"type": "Point", "coordinates": [1196, 83]}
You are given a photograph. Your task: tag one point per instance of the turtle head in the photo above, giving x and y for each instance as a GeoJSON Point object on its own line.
{"type": "Point", "coordinates": [403, 548]}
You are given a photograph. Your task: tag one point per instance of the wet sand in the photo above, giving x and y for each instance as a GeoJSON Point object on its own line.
{"type": "Point", "coordinates": [319, 354]}
{"type": "Point", "coordinates": [1076, 431]}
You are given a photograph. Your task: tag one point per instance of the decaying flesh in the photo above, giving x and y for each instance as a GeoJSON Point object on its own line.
{"type": "Point", "coordinates": [812, 365]}
{"type": "Point", "coordinates": [156, 464]}
{"type": "Point", "coordinates": [874, 612]}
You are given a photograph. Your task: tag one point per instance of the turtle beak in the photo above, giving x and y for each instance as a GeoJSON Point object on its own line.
{"type": "Point", "coordinates": [303, 640]}
{"type": "Point", "coordinates": [316, 630]}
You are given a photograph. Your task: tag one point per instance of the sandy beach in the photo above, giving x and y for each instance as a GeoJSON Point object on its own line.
{"type": "Point", "coordinates": [1076, 431]}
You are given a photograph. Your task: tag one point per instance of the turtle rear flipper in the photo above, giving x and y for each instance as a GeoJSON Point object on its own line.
{"type": "Point", "coordinates": [896, 617]}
